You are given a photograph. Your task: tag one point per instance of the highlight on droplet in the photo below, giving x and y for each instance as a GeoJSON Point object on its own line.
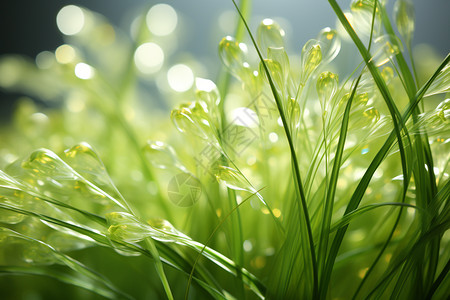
{"type": "Point", "coordinates": [84, 71]}
{"type": "Point", "coordinates": [161, 19]}
{"type": "Point", "coordinates": [149, 58]}
{"type": "Point", "coordinates": [180, 78]}
{"type": "Point", "coordinates": [70, 20]}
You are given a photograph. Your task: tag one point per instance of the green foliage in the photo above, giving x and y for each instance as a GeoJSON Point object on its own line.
{"type": "Point", "coordinates": [296, 180]}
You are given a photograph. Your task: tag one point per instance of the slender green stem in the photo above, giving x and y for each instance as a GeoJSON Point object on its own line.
{"type": "Point", "coordinates": [303, 207]}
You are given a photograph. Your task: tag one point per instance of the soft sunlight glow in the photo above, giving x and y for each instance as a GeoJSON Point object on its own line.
{"type": "Point", "coordinates": [180, 78]}
{"type": "Point", "coordinates": [70, 20]}
{"type": "Point", "coordinates": [149, 58]}
{"type": "Point", "coordinates": [65, 54]}
{"type": "Point", "coordinates": [162, 19]}
{"type": "Point", "coordinates": [84, 71]}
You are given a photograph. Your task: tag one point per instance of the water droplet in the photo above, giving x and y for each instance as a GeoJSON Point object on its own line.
{"type": "Point", "coordinates": [404, 18]}
{"type": "Point", "coordinates": [206, 91]}
{"type": "Point", "coordinates": [164, 231]}
{"type": "Point", "coordinates": [45, 163]}
{"type": "Point", "coordinates": [384, 50]}
{"type": "Point", "coordinates": [192, 118]}
{"type": "Point", "coordinates": [326, 86]}
{"type": "Point", "coordinates": [330, 44]}
{"type": "Point", "coordinates": [161, 155]}
{"type": "Point", "coordinates": [269, 34]}
{"type": "Point", "coordinates": [86, 162]}
{"type": "Point", "coordinates": [233, 55]}
{"type": "Point", "coordinates": [310, 59]}
{"type": "Point", "coordinates": [233, 179]}
{"type": "Point", "coordinates": [125, 227]}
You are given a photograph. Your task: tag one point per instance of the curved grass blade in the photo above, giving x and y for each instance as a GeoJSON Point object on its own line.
{"type": "Point", "coordinates": [260, 290]}
{"type": "Point", "coordinates": [331, 191]}
{"type": "Point", "coordinates": [302, 207]}
{"type": "Point", "coordinates": [379, 157]}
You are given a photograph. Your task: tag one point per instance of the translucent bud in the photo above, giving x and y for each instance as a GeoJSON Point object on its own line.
{"type": "Point", "coordinates": [330, 44]}
{"type": "Point", "coordinates": [311, 57]}
{"type": "Point", "coordinates": [384, 50]}
{"type": "Point", "coordinates": [206, 90]}
{"type": "Point", "coordinates": [326, 86]}
{"type": "Point", "coordinates": [404, 18]}
{"type": "Point", "coordinates": [233, 55]}
{"type": "Point", "coordinates": [269, 34]}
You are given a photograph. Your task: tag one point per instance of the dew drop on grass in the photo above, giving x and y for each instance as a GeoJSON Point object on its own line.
{"type": "Point", "coordinates": [86, 162]}
{"type": "Point", "coordinates": [233, 179]}
{"type": "Point", "coordinates": [192, 118]}
{"type": "Point", "coordinates": [330, 44]}
{"type": "Point", "coordinates": [269, 34]}
{"type": "Point", "coordinates": [161, 155]}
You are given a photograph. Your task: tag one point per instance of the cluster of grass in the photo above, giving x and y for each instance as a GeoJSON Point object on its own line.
{"type": "Point", "coordinates": [287, 183]}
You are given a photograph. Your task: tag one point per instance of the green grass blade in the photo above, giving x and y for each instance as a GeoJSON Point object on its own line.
{"type": "Point", "coordinates": [329, 200]}
{"type": "Point", "coordinates": [364, 182]}
{"type": "Point", "coordinates": [303, 207]}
